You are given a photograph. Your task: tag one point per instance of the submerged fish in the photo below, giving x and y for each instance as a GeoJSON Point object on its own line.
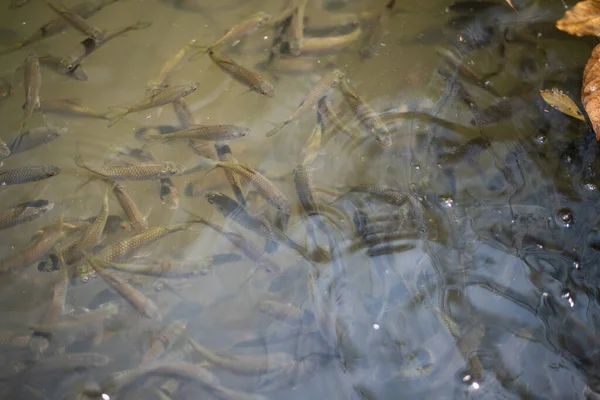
{"type": "Point", "coordinates": [85, 322]}
{"type": "Point", "coordinates": [320, 90]}
{"type": "Point", "coordinates": [237, 32]}
{"type": "Point", "coordinates": [169, 65]}
{"type": "Point", "coordinates": [366, 115]}
{"type": "Point", "coordinates": [259, 182]}
{"type": "Point", "coordinates": [311, 147]}
{"type": "Point", "coordinates": [164, 341]}
{"type": "Point", "coordinates": [286, 312]}
{"type": "Point", "coordinates": [17, 3]}
{"type": "Point", "coordinates": [61, 66]}
{"type": "Point", "coordinates": [28, 173]}
{"type": "Point", "coordinates": [134, 172]}
{"type": "Point", "coordinates": [332, 124]}
{"type": "Point", "coordinates": [70, 106]}
{"type": "Point", "coordinates": [133, 213]}
{"type": "Point", "coordinates": [243, 75]}
{"type": "Point", "coordinates": [245, 364]}
{"type": "Point", "coordinates": [302, 183]}
{"type": "Point", "coordinates": [90, 237]}
{"type": "Point", "coordinates": [296, 29]}
{"type": "Point", "coordinates": [233, 210]}
{"type": "Point", "coordinates": [205, 133]}
{"type": "Point", "coordinates": [68, 362]}
{"type": "Point", "coordinates": [158, 97]}
{"type": "Point", "coordinates": [465, 151]}
{"type": "Point", "coordinates": [24, 212]}
{"type": "Point", "coordinates": [176, 269]}
{"type": "Point", "coordinates": [126, 248]}
{"type": "Point", "coordinates": [374, 36]}
{"type": "Point", "coordinates": [133, 296]}
{"type": "Point", "coordinates": [77, 22]}
{"type": "Point", "coordinates": [4, 150]}
{"type": "Point", "coordinates": [32, 82]}
{"type": "Point", "coordinates": [329, 44]}
{"type": "Point", "coordinates": [56, 306]}
{"type": "Point", "coordinates": [32, 138]}
{"type": "Point", "coordinates": [34, 251]}
{"type": "Point", "coordinates": [85, 9]}
{"type": "Point", "coordinates": [224, 154]}
{"type": "Point", "coordinates": [90, 45]}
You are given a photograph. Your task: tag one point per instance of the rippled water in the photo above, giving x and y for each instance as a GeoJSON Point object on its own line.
{"type": "Point", "coordinates": [488, 290]}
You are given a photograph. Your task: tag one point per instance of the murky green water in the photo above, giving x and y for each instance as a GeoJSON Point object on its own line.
{"type": "Point", "coordinates": [482, 284]}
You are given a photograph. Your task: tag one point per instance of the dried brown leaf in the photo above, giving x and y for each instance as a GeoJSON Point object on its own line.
{"type": "Point", "coordinates": [590, 89]}
{"type": "Point", "coordinates": [563, 103]}
{"type": "Point", "coordinates": [581, 20]}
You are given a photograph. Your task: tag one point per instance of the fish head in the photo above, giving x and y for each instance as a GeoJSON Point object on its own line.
{"type": "Point", "coordinates": [265, 89]}
{"type": "Point", "coordinates": [180, 325]}
{"type": "Point", "coordinates": [192, 87]}
{"type": "Point", "coordinates": [58, 132]}
{"type": "Point", "coordinates": [172, 168]}
{"type": "Point", "coordinates": [243, 131]}
{"type": "Point", "coordinates": [51, 171]}
{"type": "Point", "coordinates": [384, 140]}
{"type": "Point", "coordinates": [338, 75]}
{"type": "Point", "coordinates": [262, 18]}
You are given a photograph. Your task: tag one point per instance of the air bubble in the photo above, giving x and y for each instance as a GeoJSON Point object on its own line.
{"type": "Point", "coordinates": [565, 217]}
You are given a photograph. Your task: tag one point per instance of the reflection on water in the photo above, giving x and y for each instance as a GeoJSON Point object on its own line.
{"type": "Point", "coordinates": [342, 199]}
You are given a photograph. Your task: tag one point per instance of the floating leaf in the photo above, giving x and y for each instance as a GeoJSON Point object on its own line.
{"type": "Point", "coordinates": [581, 20]}
{"type": "Point", "coordinates": [563, 103]}
{"type": "Point", "coordinates": [590, 90]}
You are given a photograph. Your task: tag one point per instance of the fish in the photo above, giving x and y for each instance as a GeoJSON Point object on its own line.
{"type": "Point", "coordinates": [186, 120]}
{"type": "Point", "coordinates": [330, 121]}
{"type": "Point", "coordinates": [10, 340]}
{"type": "Point", "coordinates": [296, 35]}
{"type": "Point", "coordinates": [168, 192]}
{"type": "Point", "coordinates": [374, 36]}
{"type": "Point", "coordinates": [329, 44]}
{"type": "Point", "coordinates": [85, 9]}
{"type": "Point", "coordinates": [233, 210]}
{"type": "Point", "coordinates": [331, 24]}
{"type": "Point", "coordinates": [4, 150]}
{"type": "Point", "coordinates": [243, 75]}
{"type": "Point", "coordinates": [205, 133]}
{"type": "Point", "coordinates": [34, 251]}
{"type": "Point", "coordinates": [246, 364]}
{"type": "Point", "coordinates": [236, 33]}
{"type": "Point", "coordinates": [383, 193]}
{"type": "Point", "coordinates": [32, 82]}
{"type": "Point", "coordinates": [320, 90]}
{"type": "Point", "coordinates": [252, 252]}
{"type": "Point", "coordinates": [70, 107]}
{"type": "Point", "coordinates": [311, 147]}
{"type": "Point", "coordinates": [224, 154]}
{"type": "Point", "coordinates": [17, 3]}
{"type": "Point", "coordinates": [90, 45]}
{"type": "Point", "coordinates": [157, 98]}
{"type": "Point", "coordinates": [366, 115]}
{"type": "Point", "coordinates": [125, 248]}
{"type": "Point", "coordinates": [134, 297]}
{"type": "Point", "coordinates": [35, 137]}
{"type": "Point", "coordinates": [24, 212]}
{"type": "Point", "coordinates": [61, 67]}
{"type": "Point", "coordinates": [286, 312]}
{"type": "Point", "coordinates": [300, 370]}
{"type": "Point", "coordinates": [169, 65]}
{"type": "Point", "coordinates": [68, 362]}
{"type": "Point", "coordinates": [465, 151]}
{"type": "Point", "coordinates": [187, 371]}
{"type": "Point", "coordinates": [90, 237]}
{"type": "Point", "coordinates": [56, 306]}
{"type": "Point", "coordinates": [133, 213]}
{"type": "Point", "coordinates": [133, 172]}
{"type": "Point", "coordinates": [259, 182]}
{"type": "Point", "coordinates": [77, 22]}
{"type": "Point", "coordinates": [302, 183]}
{"type": "Point", "coordinates": [6, 89]}
{"type": "Point", "coordinates": [165, 339]}
{"type": "Point", "coordinates": [84, 322]}
{"type": "Point", "coordinates": [176, 269]}
{"type": "Point", "coordinates": [28, 173]}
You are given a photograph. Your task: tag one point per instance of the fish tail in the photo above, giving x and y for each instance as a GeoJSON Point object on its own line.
{"type": "Point", "coordinates": [121, 112]}
{"type": "Point", "coordinates": [275, 130]}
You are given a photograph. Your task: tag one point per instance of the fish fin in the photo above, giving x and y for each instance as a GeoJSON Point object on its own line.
{"type": "Point", "coordinates": [121, 112]}
{"type": "Point", "coordinates": [158, 138]}
{"type": "Point", "coordinates": [202, 50]}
